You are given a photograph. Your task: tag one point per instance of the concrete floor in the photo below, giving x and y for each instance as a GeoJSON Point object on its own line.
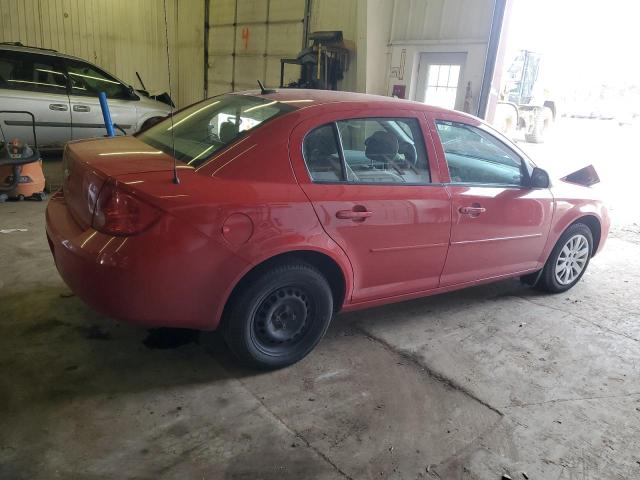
{"type": "Point", "coordinates": [468, 385]}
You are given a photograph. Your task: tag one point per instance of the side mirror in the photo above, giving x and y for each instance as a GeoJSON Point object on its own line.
{"type": "Point", "coordinates": [539, 178]}
{"type": "Point", "coordinates": [132, 92]}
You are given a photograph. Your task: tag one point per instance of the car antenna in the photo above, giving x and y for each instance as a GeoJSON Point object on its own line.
{"type": "Point", "coordinates": [265, 91]}
{"type": "Point", "coordinates": [141, 82]}
{"type": "Point", "coordinates": [176, 180]}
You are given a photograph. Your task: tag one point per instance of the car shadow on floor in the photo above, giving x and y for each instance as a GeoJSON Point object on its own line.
{"type": "Point", "coordinates": [60, 349]}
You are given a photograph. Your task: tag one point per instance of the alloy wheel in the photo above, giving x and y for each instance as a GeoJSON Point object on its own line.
{"type": "Point", "coordinates": [572, 259]}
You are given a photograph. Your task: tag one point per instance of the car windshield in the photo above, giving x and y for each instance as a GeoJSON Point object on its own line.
{"type": "Point", "coordinates": [206, 127]}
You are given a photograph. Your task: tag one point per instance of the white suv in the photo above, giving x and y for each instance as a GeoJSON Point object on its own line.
{"type": "Point", "coordinates": [62, 93]}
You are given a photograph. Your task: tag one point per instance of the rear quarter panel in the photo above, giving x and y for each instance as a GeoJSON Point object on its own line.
{"type": "Point", "coordinates": [251, 179]}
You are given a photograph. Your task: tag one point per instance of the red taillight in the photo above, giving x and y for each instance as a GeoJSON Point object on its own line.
{"type": "Point", "coordinates": [119, 213]}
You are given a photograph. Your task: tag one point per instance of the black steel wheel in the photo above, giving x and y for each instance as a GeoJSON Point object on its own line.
{"type": "Point", "coordinates": [278, 316]}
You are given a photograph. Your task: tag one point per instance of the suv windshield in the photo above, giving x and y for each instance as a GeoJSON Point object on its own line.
{"type": "Point", "coordinates": [206, 127]}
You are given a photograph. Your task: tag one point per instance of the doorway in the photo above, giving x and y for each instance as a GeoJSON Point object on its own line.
{"type": "Point", "coordinates": [439, 79]}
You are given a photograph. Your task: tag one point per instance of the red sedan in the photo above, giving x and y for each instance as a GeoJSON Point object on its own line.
{"type": "Point", "coordinates": [296, 204]}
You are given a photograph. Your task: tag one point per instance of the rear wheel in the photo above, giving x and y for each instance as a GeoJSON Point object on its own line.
{"type": "Point", "coordinates": [568, 260]}
{"type": "Point", "coordinates": [279, 316]}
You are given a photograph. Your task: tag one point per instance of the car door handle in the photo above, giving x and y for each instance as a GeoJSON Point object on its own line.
{"type": "Point", "coordinates": [358, 214]}
{"type": "Point", "coordinates": [81, 108]}
{"type": "Point", "coordinates": [475, 210]}
{"type": "Point", "coordinates": [350, 214]}
{"type": "Point", "coordinates": [58, 107]}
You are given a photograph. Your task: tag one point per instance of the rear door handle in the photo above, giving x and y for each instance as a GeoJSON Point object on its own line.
{"type": "Point", "coordinates": [58, 107]}
{"type": "Point", "coordinates": [472, 210]}
{"type": "Point", "coordinates": [357, 214]}
{"type": "Point", "coordinates": [81, 108]}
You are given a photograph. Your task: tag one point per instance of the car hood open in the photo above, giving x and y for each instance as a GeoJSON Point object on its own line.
{"type": "Point", "coordinates": [586, 177]}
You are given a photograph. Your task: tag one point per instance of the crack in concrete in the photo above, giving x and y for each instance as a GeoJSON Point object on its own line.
{"type": "Point", "coordinates": [573, 314]}
{"type": "Point", "coordinates": [415, 360]}
{"type": "Point", "coordinates": [562, 400]}
{"type": "Point", "coordinates": [296, 434]}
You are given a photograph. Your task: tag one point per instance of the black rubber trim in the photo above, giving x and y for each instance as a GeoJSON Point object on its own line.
{"type": "Point", "coordinates": [20, 123]}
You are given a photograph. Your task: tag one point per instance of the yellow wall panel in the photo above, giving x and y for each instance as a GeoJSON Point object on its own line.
{"type": "Point", "coordinates": [121, 36]}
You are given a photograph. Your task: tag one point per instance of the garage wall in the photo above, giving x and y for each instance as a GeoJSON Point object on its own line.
{"type": "Point", "coordinates": [435, 26]}
{"type": "Point", "coordinates": [376, 48]}
{"type": "Point", "coordinates": [247, 39]}
{"type": "Point", "coordinates": [121, 36]}
{"type": "Point", "coordinates": [345, 15]}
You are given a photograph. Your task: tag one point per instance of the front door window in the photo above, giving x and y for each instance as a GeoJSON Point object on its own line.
{"type": "Point", "coordinates": [475, 157]}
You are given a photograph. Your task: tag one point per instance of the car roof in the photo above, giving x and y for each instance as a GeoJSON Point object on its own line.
{"type": "Point", "coordinates": [17, 47]}
{"type": "Point", "coordinates": [307, 98]}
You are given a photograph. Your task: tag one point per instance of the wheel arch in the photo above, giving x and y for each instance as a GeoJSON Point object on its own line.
{"type": "Point", "coordinates": [588, 214]}
{"type": "Point", "coordinates": [330, 267]}
{"type": "Point", "coordinates": [595, 226]}
{"type": "Point", "coordinates": [153, 116]}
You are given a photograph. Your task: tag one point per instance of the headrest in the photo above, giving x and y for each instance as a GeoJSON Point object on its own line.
{"type": "Point", "coordinates": [381, 146]}
{"type": "Point", "coordinates": [228, 131]}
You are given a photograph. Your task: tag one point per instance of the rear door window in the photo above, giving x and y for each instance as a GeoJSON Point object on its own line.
{"type": "Point", "coordinates": [368, 151]}
{"type": "Point", "coordinates": [320, 151]}
{"type": "Point", "coordinates": [31, 72]}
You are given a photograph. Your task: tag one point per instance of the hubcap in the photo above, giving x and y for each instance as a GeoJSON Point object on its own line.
{"type": "Point", "coordinates": [572, 259]}
{"type": "Point", "coordinates": [282, 318]}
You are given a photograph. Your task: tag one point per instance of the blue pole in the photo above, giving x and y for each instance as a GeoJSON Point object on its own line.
{"type": "Point", "coordinates": [106, 115]}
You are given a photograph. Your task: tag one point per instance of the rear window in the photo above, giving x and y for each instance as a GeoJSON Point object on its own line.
{"type": "Point", "coordinates": [206, 127]}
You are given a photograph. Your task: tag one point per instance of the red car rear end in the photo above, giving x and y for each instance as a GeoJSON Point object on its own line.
{"type": "Point", "coordinates": [122, 250]}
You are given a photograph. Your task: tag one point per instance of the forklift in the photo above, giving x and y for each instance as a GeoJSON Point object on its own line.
{"type": "Point", "coordinates": [322, 64]}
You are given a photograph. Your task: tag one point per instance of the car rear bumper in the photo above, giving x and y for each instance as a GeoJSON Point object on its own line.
{"type": "Point", "coordinates": [152, 279]}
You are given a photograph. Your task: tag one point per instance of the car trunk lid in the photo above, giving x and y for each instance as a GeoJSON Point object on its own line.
{"type": "Point", "coordinates": [88, 164]}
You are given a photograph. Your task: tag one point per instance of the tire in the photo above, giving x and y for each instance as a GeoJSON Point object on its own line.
{"type": "Point", "coordinates": [543, 119]}
{"type": "Point", "coordinates": [278, 316]}
{"type": "Point", "coordinates": [555, 278]}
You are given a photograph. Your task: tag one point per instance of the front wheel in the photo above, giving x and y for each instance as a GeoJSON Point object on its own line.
{"type": "Point", "coordinates": [568, 260]}
{"type": "Point", "coordinates": [279, 316]}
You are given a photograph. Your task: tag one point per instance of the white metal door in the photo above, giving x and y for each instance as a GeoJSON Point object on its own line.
{"type": "Point", "coordinates": [51, 111]}
{"type": "Point", "coordinates": [440, 79]}
{"type": "Point", "coordinates": [87, 120]}
{"type": "Point", "coordinates": [86, 81]}
{"type": "Point", "coordinates": [37, 84]}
